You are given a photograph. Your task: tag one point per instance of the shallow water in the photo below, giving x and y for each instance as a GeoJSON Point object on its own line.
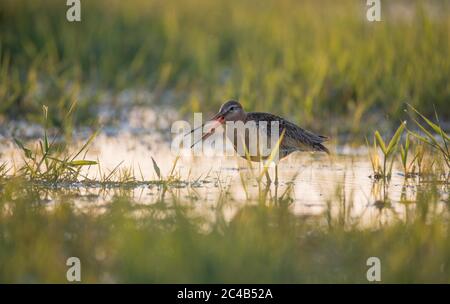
{"type": "Point", "coordinates": [214, 221]}
{"type": "Point", "coordinates": [314, 183]}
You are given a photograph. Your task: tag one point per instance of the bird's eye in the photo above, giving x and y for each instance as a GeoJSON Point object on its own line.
{"type": "Point", "coordinates": [233, 108]}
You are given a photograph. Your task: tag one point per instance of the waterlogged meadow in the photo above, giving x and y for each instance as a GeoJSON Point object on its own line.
{"type": "Point", "coordinates": [135, 213]}
{"type": "Point", "coordinates": [87, 170]}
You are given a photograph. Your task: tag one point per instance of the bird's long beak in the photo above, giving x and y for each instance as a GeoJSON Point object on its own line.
{"type": "Point", "coordinates": [216, 121]}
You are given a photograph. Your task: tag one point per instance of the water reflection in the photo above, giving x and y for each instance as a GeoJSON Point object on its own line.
{"type": "Point", "coordinates": [216, 223]}
{"type": "Point", "coordinates": [310, 184]}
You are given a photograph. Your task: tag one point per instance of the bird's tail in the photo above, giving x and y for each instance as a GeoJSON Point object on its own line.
{"type": "Point", "coordinates": [322, 148]}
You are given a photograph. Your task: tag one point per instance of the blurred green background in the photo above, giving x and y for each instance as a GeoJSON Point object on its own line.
{"type": "Point", "coordinates": [313, 61]}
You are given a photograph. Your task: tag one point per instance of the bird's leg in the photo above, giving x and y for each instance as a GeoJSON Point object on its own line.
{"type": "Point", "coordinates": [276, 193]}
{"type": "Point", "coordinates": [276, 174]}
{"type": "Point", "coordinates": [269, 181]}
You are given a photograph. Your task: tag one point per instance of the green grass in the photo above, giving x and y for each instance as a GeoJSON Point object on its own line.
{"type": "Point", "coordinates": [50, 160]}
{"type": "Point", "coordinates": [388, 149]}
{"type": "Point", "coordinates": [430, 135]}
{"type": "Point", "coordinates": [439, 140]}
{"type": "Point", "coordinates": [169, 242]}
{"type": "Point", "coordinates": [311, 61]}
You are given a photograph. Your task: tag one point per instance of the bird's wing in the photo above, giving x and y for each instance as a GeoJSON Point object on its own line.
{"type": "Point", "coordinates": [294, 136]}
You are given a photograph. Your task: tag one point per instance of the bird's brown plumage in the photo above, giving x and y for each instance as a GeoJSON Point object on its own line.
{"type": "Point", "coordinates": [294, 139]}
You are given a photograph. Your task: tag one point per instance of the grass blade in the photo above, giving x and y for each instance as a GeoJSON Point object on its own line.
{"type": "Point", "coordinates": [28, 153]}
{"type": "Point", "coordinates": [156, 168]}
{"type": "Point", "coordinates": [395, 139]}
{"type": "Point", "coordinates": [83, 162]}
{"type": "Point", "coordinates": [381, 142]}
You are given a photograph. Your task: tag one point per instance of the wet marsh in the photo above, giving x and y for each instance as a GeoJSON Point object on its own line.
{"type": "Point", "coordinates": [86, 167]}
{"type": "Point", "coordinates": [142, 214]}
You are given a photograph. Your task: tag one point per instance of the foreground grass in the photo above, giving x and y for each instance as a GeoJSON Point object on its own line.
{"type": "Point", "coordinates": [312, 61]}
{"type": "Point", "coordinates": [169, 242]}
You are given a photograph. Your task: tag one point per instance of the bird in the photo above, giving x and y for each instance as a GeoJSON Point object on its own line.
{"type": "Point", "coordinates": [292, 137]}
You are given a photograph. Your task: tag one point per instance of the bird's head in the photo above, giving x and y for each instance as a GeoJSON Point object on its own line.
{"type": "Point", "coordinates": [230, 111]}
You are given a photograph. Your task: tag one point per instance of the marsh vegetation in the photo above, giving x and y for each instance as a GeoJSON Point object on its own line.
{"type": "Point", "coordinates": [86, 168]}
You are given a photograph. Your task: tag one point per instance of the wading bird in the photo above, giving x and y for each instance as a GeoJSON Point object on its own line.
{"type": "Point", "coordinates": [291, 137]}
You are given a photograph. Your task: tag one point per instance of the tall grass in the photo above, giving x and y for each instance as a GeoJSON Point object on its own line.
{"type": "Point", "coordinates": [439, 141]}
{"type": "Point", "coordinates": [311, 61]}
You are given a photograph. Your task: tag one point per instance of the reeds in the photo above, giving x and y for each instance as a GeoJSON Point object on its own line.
{"type": "Point", "coordinates": [415, 158]}
{"type": "Point", "coordinates": [50, 161]}
{"type": "Point", "coordinates": [439, 141]}
{"type": "Point", "coordinates": [205, 52]}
